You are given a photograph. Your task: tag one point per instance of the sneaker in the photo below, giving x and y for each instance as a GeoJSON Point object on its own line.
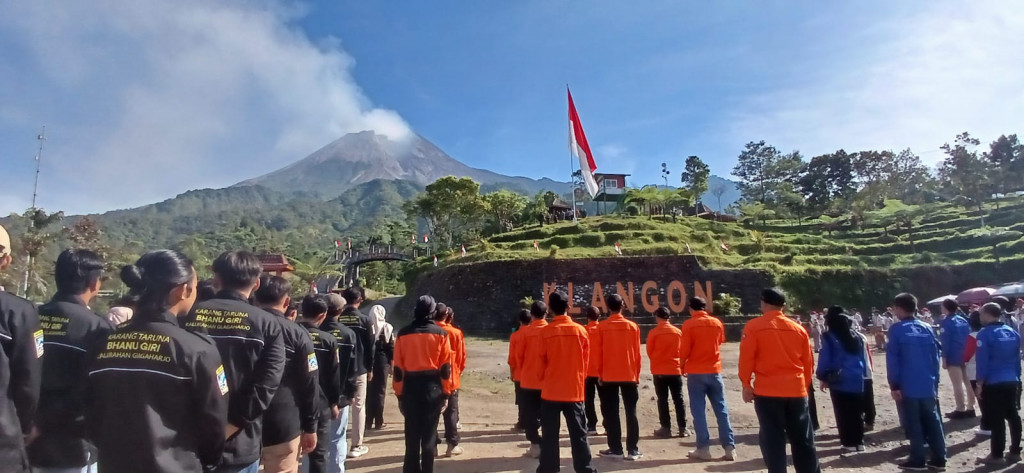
{"type": "Point", "coordinates": [991, 460]}
{"type": "Point", "coordinates": [702, 454]}
{"type": "Point", "coordinates": [610, 453]}
{"type": "Point", "coordinates": [454, 451]}
{"type": "Point", "coordinates": [850, 449]}
{"type": "Point", "coordinates": [592, 432]}
{"type": "Point", "coordinates": [663, 433]}
{"type": "Point", "coordinates": [730, 454]}
{"type": "Point", "coordinates": [358, 451]}
{"type": "Point", "coordinates": [534, 451]}
{"type": "Point", "coordinates": [634, 456]}
{"type": "Point", "coordinates": [970, 414]}
{"type": "Point", "coordinates": [986, 433]}
{"type": "Point", "coordinates": [1013, 458]}
{"type": "Point", "coordinates": [908, 466]}
{"type": "Point", "coordinates": [937, 466]}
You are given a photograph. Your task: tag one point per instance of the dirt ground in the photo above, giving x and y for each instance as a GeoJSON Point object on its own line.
{"type": "Point", "coordinates": [488, 413]}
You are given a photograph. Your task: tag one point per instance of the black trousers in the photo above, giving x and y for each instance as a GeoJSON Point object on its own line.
{"type": "Point", "coordinates": [983, 425]}
{"type": "Point", "coordinates": [575, 420]}
{"type": "Point", "coordinates": [869, 402]}
{"type": "Point", "coordinates": [451, 419]}
{"type": "Point", "coordinates": [812, 406]}
{"type": "Point", "coordinates": [1002, 400]}
{"type": "Point", "coordinates": [590, 392]}
{"type": "Point", "coordinates": [663, 385]}
{"type": "Point", "coordinates": [849, 409]}
{"type": "Point", "coordinates": [783, 418]}
{"type": "Point", "coordinates": [530, 404]}
{"type": "Point", "coordinates": [376, 393]}
{"type": "Point", "coordinates": [519, 404]}
{"type": "Point", "coordinates": [610, 412]}
{"type": "Point", "coordinates": [317, 459]}
{"type": "Point", "coordinates": [421, 407]}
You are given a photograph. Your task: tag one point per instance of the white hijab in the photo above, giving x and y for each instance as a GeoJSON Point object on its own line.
{"type": "Point", "coordinates": [377, 314]}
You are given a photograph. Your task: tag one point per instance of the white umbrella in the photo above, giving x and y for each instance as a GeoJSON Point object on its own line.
{"type": "Point", "coordinates": [1012, 290]}
{"type": "Point", "coordinates": [940, 299]}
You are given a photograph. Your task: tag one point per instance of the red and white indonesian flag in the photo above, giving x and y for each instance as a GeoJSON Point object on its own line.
{"type": "Point", "coordinates": [536, 246]}
{"type": "Point", "coordinates": [618, 248]}
{"type": "Point", "coordinates": [581, 149]}
{"type": "Point", "coordinates": [435, 261]}
{"type": "Point", "coordinates": [464, 251]}
{"type": "Point", "coordinates": [426, 238]}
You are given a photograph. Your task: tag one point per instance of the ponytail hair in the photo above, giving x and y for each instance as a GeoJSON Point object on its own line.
{"type": "Point", "coordinates": [152, 278]}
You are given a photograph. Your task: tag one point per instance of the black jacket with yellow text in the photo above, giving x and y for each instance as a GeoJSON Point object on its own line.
{"type": "Point", "coordinates": [21, 367]}
{"type": "Point", "coordinates": [295, 407]}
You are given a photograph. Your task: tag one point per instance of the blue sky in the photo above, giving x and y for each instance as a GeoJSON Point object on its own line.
{"type": "Point", "coordinates": [145, 99]}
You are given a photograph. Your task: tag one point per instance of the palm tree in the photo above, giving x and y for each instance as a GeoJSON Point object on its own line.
{"type": "Point", "coordinates": [316, 267]}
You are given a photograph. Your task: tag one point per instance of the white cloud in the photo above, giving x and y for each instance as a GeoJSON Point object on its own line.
{"type": "Point", "coordinates": [149, 98]}
{"type": "Point", "coordinates": [947, 69]}
{"type": "Point", "coordinates": [610, 151]}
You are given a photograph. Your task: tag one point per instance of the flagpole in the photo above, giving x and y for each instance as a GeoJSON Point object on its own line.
{"type": "Point", "coordinates": [572, 167]}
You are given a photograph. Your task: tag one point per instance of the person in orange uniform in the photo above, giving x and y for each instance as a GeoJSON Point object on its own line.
{"type": "Point", "coordinates": [663, 351]}
{"type": "Point", "coordinates": [776, 366]}
{"type": "Point", "coordinates": [457, 340]}
{"type": "Point", "coordinates": [565, 354]}
{"type": "Point", "coordinates": [617, 342]}
{"type": "Point", "coordinates": [515, 345]}
{"type": "Point", "coordinates": [531, 374]}
{"type": "Point", "coordinates": [700, 353]}
{"type": "Point", "coordinates": [422, 382]}
{"type": "Point", "coordinates": [590, 386]}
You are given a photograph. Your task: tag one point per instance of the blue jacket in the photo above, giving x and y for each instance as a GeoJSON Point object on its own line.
{"type": "Point", "coordinates": [851, 367]}
{"type": "Point", "coordinates": [998, 354]}
{"type": "Point", "coordinates": [912, 359]}
{"type": "Point", "coordinates": [955, 331]}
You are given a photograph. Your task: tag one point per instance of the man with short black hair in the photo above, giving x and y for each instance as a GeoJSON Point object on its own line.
{"type": "Point", "coordinates": [21, 347]}
{"type": "Point", "coordinates": [912, 363]}
{"type": "Point", "coordinates": [252, 348]}
{"type": "Point", "coordinates": [290, 422]}
{"type": "Point", "coordinates": [564, 356]}
{"type": "Point", "coordinates": [617, 342]}
{"type": "Point", "coordinates": [450, 415]}
{"type": "Point", "coordinates": [532, 375]}
{"type": "Point", "coordinates": [775, 367]}
{"type": "Point", "coordinates": [663, 351]}
{"type": "Point", "coordinates": [328, 357]}
{"type": "Point", "coordinates": [70, 330]}
{"type": "Point", "coordinates": [350, 346]}
{"type": "Point", "coordinates": [954, 333]}
{"type": "Point", "coordinates": [701, 339]}
{"type": "Point", "coordinates": [999, 383]}
{"type": "Point", "coordinates": [590, 386]}
{"type": "Point", "coordinates": [514, 348]}
{"type": "Point", "coordinates": [352, 318]}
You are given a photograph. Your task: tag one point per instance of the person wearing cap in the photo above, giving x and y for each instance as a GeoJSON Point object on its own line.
{"type": "Point", "coordinates": [663, 351]}
{"type": "Point", "coordinates": [422, 382]}
{"type": "Point", "coordinates": [70, 330]}
{"type": "Point", "coordinates": [912, 365]}
{"type": "Point", "coordinates": [457, 340]}
{"type": "Point", "coordinates": [21, 350]}
{"type": "Point", "coordinates": [532, 375]}
{"type": "Point", "coordinates": [776, 366]}
{"type": "Point", "coordinates": [617, 342]}
{"type": "Point", "coordinates": [347, 339]}
{"type": "Point", "coordinates": [515, 343]}
{"type": "Point", "coordinates": [360, 323]}
{"type": "Point", "coordinates": [998, 371]}
{"type": "Point", "coordinates": [252, 347]}
{"type": "Point", "coordinates": [590, 387]}
{"type": "Point", "coordinates": [290, 422]}
{"type": "Point", "coordinates": [953, 338]}
{"type": "Point", "coordinates": [701, 339]}
{"type": "Point", "coordinates": [564, 356]}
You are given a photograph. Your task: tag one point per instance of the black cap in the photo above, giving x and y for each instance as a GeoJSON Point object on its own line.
{"type": "Point", "coordinates": [772, 296]}
{"type": "Point", "coordinates": [425, 307]}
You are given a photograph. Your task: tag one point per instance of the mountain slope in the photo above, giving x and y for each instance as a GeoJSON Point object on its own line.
{"type": "Point", "coordinates": [358, 158]}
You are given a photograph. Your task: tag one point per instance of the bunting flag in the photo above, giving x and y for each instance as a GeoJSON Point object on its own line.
{"type": "Point", "coordinates": [435, 261]}
{"type": "Point", "coordinates": [414, 239]}
{"type": "Point", "coordinates": [426, 238]}
{"type": "Point", "coordinates": [350, 243]}
{"type": "Point", "coordinates": [337, 244]}
{"type": "Point", "coordinates": [313, 289]}
{"type": "Point", "coordinates": [724, 246]}
{"type": "Point", "coordinates": [581, 149]}
{"type": "Point", "coordinates": [618, 248]}
{"type": "Point", "coordinates": [688, 250]}
{"type": "Point", "coordinates": [464, 251]}
{"type": "Point", "coordinates": [536, 246]}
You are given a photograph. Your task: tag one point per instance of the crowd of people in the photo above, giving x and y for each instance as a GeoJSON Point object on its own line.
{"type": "Point", "coordinates": [229, 375]}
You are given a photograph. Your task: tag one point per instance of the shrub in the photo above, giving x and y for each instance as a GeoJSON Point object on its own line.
{"type": "Point", "coordinates": [726, 304]}
{"type": "Point", "coordinates": [554, 252]}
{"type": "Point", "coordinates": [591, 240]}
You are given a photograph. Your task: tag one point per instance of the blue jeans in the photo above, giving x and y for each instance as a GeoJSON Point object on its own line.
{"type": "Point", "coordinates": [339, 442]}
{"type": "Point", "coordinates": [924, 425]}
{"type": "Point", "coordinates": [85, 469]}
{"type": "Point", "coordinates": [700, 386]}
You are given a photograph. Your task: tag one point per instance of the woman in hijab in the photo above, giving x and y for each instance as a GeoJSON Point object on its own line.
{"type": "Point", "coordinates": [842, 366]}
{"type": "Point", "coordinates": [384, 352]}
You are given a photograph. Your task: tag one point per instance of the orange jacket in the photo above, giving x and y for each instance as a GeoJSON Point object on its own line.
{"type": "Point", "coordinates": [422, 354]}
{"type": "Point", "coordinates": [663, 349]}
{"type": "Point", "coordinates": [457, 340]}
{"type": "Point", "coordinates": [591, 364]}
{"type": "Point", "coordinates": [531, 367]}
{"type": "Point", "coordinates": [515, 350]}
{"type": "Point", "coordinates": [617, 343]}
{"type": "Point", "coordinates": [565, 354]}
{"type": "Point", "coordinates": [700, 347]}
{"type": "Point", "coordinates": [777, 352]}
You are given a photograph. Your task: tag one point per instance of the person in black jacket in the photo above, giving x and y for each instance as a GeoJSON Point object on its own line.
{"type": "Point", "coordinates": [252, 347]}
{"type": "Point", "coordinates": [70, 329]}
{"type": "Point", "coordinates": [157, 394]}
{"type": "Point", "coordinates": [383, 355]}
{"type": "Point", "coordinates": [352, 318]}
{"type": "Point", "coordinates": [350, 348]}
{"type": "Point", "coordinates": [294, 409]}
{"type": "Point", "coordinates": [21, 347]}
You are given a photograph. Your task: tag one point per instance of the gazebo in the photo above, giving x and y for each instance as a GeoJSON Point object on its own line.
{"type": "Point", "coordinates": [275, 263]}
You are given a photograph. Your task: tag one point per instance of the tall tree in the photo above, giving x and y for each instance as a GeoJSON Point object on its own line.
{"type": "Point", "coordinates": [452, 207]}
{"type": "Point", "coordinates": [828, 178]}
{"type": "Point", "coordinates": [966, 173]}
{"type": "Point", "coordinates": [34, 243]}
{"type": "Point", "coordinates": [695, 176]}
{"type": "Point", "coordinates": [1006, 154]}
{"type": "Point", "coordinates": [506, 207]}
{"type": "Point", "coordinates": [754, 167]}
{"type": "Point", "coordinates": [908, 179]}
{"type": "Point", "coordinates": [718, 190]}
